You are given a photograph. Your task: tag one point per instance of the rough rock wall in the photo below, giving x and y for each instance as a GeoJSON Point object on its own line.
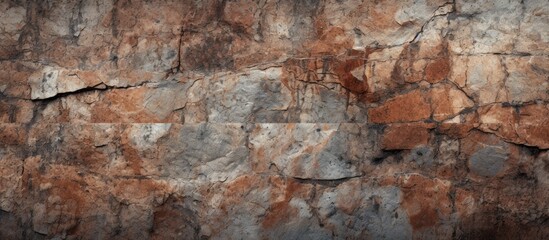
{"type": "Point", "coordinates": [332, 119]}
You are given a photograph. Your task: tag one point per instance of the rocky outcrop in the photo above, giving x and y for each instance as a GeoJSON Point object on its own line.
{"type": "Point", "coordinates": [265, 119]}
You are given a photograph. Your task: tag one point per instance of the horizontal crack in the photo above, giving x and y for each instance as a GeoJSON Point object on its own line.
{"type": "Point", "coordinates": [326, 182]}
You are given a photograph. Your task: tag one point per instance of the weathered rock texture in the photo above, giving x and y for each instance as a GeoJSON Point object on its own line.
{"type": "Point", "coordinates": [260, 119]}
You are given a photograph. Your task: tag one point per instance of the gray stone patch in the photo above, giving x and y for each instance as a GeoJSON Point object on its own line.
{"type": "Point", "coordinates": [252, 96]}
{"type": "Point", "coordinates": [326, 106]}
{"type": "Point", "coordinates": [217, 152]}
{"type": "Point", "coordinates": [162, 100]}
{"type": "Point", "coordinates": [271, 103]}
{"type": "Point", "coordinates": [488, 161]}
{"type": "Point", "coordinates": [44, 84]}
{"type": "Point", "coordinates": [380, 213]}
{"type": "Point", "coordinates": [385, 219]}
{"type": "Point", "coordinates": [422, 155]}
{"type": "Point", "coordinates": [299, 228]}
{"type": "Point", "coordinates": [146, 135]}
{"type": "Point", "coordinates": [260, 96]}
{"type": "Point", "coordinates": [311, 151]}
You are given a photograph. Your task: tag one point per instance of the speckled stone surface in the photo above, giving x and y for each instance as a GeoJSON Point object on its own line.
{"type": "Point", "coordinates": [260, 119]}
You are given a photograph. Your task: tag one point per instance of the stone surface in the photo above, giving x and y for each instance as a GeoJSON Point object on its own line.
{"type": "Point", "coordinates": [418, 108]}
{"type": "Point", "coordinates": [448, 101]}
{"type": "Point", "coordinates": [406, 135]}
{"type": "Point", "coordinates": [311, 151]}
{"type": "Point", "coordinates": [260, 119]}
{"type": "Point", "coordinates": [526, 124]}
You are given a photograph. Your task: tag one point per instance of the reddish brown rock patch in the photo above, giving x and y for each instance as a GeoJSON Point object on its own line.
{"type": "Point", "coordinates": [437, 70]}
{"type": "Point", "coordinates": [523, 125]}
{"type": "Point", "coordinates": [406, 136]}
{"type": "Point", "coordinates": [408, 107]}
{"type": "Point", "coordinates": [448, 101]}
{"type": "Point", "coordinates": [280, 210]}
{"type": "Point", "coordinates": [343, 70]}
{"type": "Point", "coordinates": [426, 200]}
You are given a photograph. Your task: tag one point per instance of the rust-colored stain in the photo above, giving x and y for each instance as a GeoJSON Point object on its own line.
{"type": "Point", "coordinates": [418, 108]}
{"type": "Point", "coordinates": [437, 70]}
{"type": "Point", "coordinates": [406, 136]}
{"type": "Point", "coordinates": [12, 134]}
{"type": "Point", "coordinates": [280, 208]}
{"type": "Point", "coordinates": [131, 155]}
{"type": "Point", "coordinates": [343, 70]}
{"type": "Point", "coordinates": [426, 200]}
{"type": "Point", "coordinates": [237, 190]}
